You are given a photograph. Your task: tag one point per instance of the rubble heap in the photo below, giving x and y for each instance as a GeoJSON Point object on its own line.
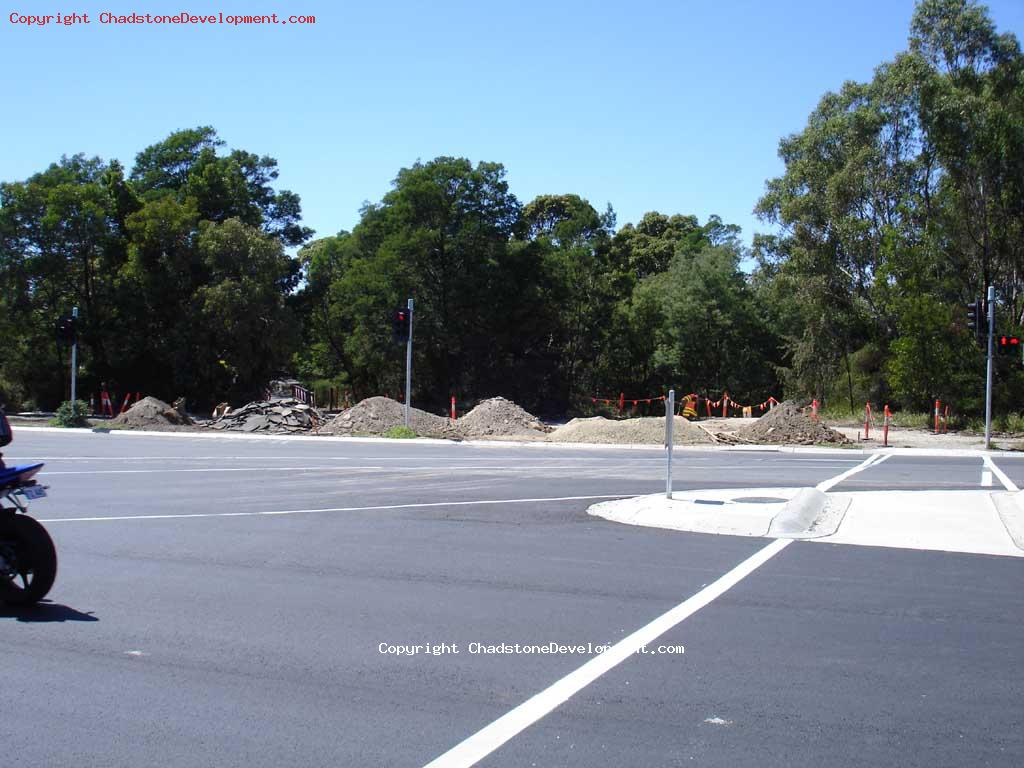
{"type": "Point", "coordinates": [376, 415]}
{"type": "Point", "coordinates": [277, 416]}
{"type": "Point", "coordinates": [499, 417]}
{"type": "Point", "coordinates": [649, 429]}
{"type": "Point", "coordinates": [787, 424]}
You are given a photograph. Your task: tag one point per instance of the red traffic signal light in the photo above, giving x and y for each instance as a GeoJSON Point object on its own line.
{"type": "Point", "coordinates": [1008, 345]}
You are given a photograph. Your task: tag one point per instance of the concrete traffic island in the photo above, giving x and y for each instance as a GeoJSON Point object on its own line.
{"type": "Point", "coordinates": [794, 513]}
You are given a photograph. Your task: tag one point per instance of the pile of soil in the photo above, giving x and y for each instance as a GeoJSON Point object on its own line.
{"type": "Point", "coordinates": [787, 424]}
{"type": "Point", "coordinates": [376, 415]}
{"type": "Point", "coordinates": [649, 429]}
{"type": "Point", "coordinates": [278, 416]}
{"type": "Point", "coordinates": [149, 413]}
{"type": "Point", "coordinates": [501, 418]}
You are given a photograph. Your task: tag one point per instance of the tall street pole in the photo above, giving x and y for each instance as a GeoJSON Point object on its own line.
{"type": "Point", "coordinates": [408, 367]}
{"type": "Point", "coordinates": [74, 357]}
{"type": "Point", "coordinates": [670, 412]}
{"type": "Point", "coordinates": [988, 376]}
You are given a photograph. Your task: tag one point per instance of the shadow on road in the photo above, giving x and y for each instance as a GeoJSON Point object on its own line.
{"type": "Point", "coordinates": [42, 612]}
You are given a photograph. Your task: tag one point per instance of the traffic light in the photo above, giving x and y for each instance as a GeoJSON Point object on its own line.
{"type": "Point", "coordinates": [975, 320]}
{"type": "Point", "coordinates": [400, 325]}
{"type": "Point", "coordinates": [66, 330]}
{"type": "Point", "coordinates": [1008, 345]}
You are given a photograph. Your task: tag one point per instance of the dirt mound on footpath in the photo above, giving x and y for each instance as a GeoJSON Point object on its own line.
{"type": "Point", "coordinates": [786, 424]}
{"type": "Point", "coordinates": [501, 418]}
{"type": "Point", "coordinates": [376, 415]}
{"type": "Point", "coordinates": [150, 412]}
{"type": "Point", "coordinates": [649, 429]}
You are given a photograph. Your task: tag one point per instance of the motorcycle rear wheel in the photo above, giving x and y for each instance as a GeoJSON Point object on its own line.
{"type": "Point", "coordinates": [31, 558]}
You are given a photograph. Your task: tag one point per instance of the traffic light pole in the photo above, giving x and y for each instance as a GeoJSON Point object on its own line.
{"type": "Point", "coordinates": [670, 412]}
{"type": "Point", "coordinates": [408, 366]}
{"type": "Point", "coordinates": [74, 361]}
{"type": "Point", "coordinates": [988, 376]}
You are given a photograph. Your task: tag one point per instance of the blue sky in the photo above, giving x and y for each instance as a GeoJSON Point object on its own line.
{"type": "Point", "coordinates": [670, 106]}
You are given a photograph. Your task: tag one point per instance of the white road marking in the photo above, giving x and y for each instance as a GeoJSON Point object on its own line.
{"type": "Point", "coordinates": [986, 478]}
{"type": "Point", "coordinates": [872, 461]}
{"type": "Point", "coordinates": [488, 739]}
{"type": "Point", "coordinates": [163, 470]}
{"type": "Point", "coordinates": [418, 505]}
{"type": "Point", "coordinates": [440, 468]}
{"type": "Point", "coordinates": [1008, 484]}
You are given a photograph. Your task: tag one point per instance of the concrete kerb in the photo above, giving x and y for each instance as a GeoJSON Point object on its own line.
{"type": "Point", "coordinates": [1010, 507]}
{"type": "Point", "coordinates": [782, 513]}
{"type": "Point", "coordinates": [799, 514]}
{"type": "Point", "coordinates": [539, 444]}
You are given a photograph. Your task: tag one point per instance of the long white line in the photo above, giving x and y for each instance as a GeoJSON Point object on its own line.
{"type": "Point", "coordinates": [411, 468]}
{"type": "Point", "coordinates": [1008, 484]}
{"type": "Point", "coordinates": [872, 461]}
{"type": "Point", "coordinates": [165, 470]}
{"type": "Point", "coordinates": [489, 738]}
{"type": "Point", "coordinates": [419, 505]}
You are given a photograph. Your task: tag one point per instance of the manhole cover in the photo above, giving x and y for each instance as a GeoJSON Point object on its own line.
{"type": "Point", "coordinates": [759, 500]}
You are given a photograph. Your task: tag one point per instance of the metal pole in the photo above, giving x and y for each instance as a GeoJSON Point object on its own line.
{"type": "Point", "coordinates": [670, 412]}
{"type": "Point", "coordinates": [988, 376]}
{"type": "Point", "coordinates": [74, 360]}
{"type": "Point", "coordinates": [408, 367]}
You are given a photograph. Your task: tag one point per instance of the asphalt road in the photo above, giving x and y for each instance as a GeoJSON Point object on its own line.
{"type": "Point", "coordinates": [224, 602]}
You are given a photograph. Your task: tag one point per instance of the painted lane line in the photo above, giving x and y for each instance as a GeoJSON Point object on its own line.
{"type": "Point", "coordinates": [439, 468]}
{"type": "Point", "coordinates": [491, 737]}
{"type": "Point", "coordinates": [419, 505]}
{"type": "Point", "coordinates": [293, 457]}
{"type": "Point", "coordinates": [1008, 484]}
{"type": "Point", "coordinates": [986, 478]}
{"type": "Point", "coordinates": [164, 470]}
{"type": "Point", "coordinates": [872, 461]}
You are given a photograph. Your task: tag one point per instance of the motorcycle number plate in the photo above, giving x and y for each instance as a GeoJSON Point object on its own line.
{"type": "Point", "coordinates": [33, 492]}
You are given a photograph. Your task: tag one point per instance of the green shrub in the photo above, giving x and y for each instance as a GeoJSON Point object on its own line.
{"type": "Point", "coordinates": [400, 432]}
{"type": "Point", "coordinates": [71, 414]}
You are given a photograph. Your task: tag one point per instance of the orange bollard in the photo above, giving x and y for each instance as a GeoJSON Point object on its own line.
{"type": "Point", "coordinates": [725, 405]}
{"type": "Point", "coordinates": [127, 399]}
{"type": "Point", "coordinates": [453, 407]}
{"type": "Point", "coordinates": [814, 409]}
{"type": "Point", "coordinates": [885, 426]}
{"type": "Point", "coordinates": [622, 403]}
{"type": "Point", "coordinates": [936, 417]}
{"type": "Point", "coordinates": [867, 420]}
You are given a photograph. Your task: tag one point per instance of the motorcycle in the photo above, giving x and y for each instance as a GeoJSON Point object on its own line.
{"type": "Point", "coordinates": [28, 559]}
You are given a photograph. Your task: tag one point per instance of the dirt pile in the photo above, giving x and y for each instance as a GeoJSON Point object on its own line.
{"type": "Point", "coordinates": [278, 416]}
{"type": "Point", "coordinates": [150, 412]}
{"type": "Point", "coordinates": [650, 429]}
{"type": "Point", "coordinates": [499, 417]}
{"type": "Point", "coordinates": [376, 415]}
{"type": "Point", "coordinates": [786, 424]}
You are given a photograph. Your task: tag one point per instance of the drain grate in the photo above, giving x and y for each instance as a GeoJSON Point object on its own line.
{"type": "Point", "coordinates": [760, 500]}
